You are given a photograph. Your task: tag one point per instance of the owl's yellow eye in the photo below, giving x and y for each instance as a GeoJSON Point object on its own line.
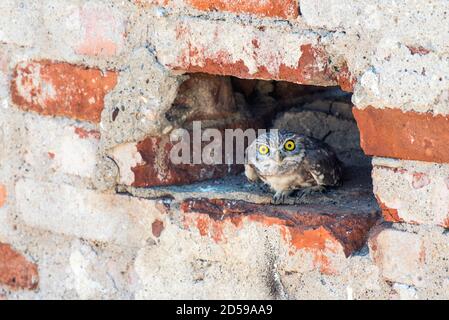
{"type": "Point", "coordinates": [263, 149]}
{"type": "Point", "coordinates": [289, 145]}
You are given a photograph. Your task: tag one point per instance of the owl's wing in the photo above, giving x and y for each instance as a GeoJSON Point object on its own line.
{"type": "Point", "coordinates": [250, 170]}
{"type": "Point", "coordinates": [322, 163]}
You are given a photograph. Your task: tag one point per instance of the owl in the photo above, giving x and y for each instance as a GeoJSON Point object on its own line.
{"type": "Point", "coordinates": [288, 161]}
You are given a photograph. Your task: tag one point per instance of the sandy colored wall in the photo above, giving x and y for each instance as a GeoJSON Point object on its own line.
{"type": "Point", "coordinates": [84, 91]}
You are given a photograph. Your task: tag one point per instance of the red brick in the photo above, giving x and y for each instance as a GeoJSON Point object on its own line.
{"type": "Point", "coordinates": [147, 163]}
{"type": "Point", "coordinates": [61, 89]}
{"type": "Point", "coordinates": [157, 227]}
{"type": "Point", "coordinates": [3, 195]}
{"type": "Point", "coordinates": [389, 214]}
{"type": "Point", "coordinates": [287, 9]}
{"type": "Point", "coordinates": [345, 79]}
{"type": "Point", "coordinates": [16, 271]}
{"type": "Point", "coordinates": [157, 169]}
{"type": "Point", "coordinates": [321, 230]}
{"type": "Point", "coordinates": [312, 68]}
{"type": "Point", "coordinates": [404, 135]}
{"type": "Point", "coordinates": [302, 59]}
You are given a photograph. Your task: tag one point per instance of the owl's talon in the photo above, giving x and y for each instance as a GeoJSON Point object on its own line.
{"type": "Point", "coordinates": [281, 197]}
{"type": "Point", "coordinates": [319, 189]}
{"type": "Point", "coordinates": [309, 191]}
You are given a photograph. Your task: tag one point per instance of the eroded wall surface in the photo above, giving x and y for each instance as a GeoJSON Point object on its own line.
{"type": "Point", "coordinates": [85, 88]}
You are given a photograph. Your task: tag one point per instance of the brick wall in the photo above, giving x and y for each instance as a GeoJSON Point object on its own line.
{"type": "Point", "coordinates": [90, 90]}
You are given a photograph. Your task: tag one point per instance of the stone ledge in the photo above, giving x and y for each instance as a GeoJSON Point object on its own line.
{"type": "Point", "coordinates": [356, 191]}
{"type": "Point", "coordinates": [309, 225]}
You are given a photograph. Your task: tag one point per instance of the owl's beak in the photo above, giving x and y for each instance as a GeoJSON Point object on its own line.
{"type": "Point", "coordinates": [278, 157]}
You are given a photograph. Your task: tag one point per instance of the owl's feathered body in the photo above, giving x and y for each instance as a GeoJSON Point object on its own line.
{"type": "Point", "coordinates": [288, 161]}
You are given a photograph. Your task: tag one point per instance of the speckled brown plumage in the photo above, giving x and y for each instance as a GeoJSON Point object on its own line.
{"type": "Point", "coordinates": [310, 165]}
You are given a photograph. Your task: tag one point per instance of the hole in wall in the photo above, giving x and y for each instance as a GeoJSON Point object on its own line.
{"type": "Point", "coordinates": [324, 113]}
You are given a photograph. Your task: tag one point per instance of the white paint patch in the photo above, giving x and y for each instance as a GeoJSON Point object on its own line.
{"type": "Point", "coordinates": [405, 292]}
{"type": "Point", "coordinates": [31, 86]}
{"type": "Point", "coordinates": [72, 154]}
{"type": "Point", "coordinates": [84, 286]}
{"type": "Point", "coordinates": [126, 156]}
{"type": "Point", "coordinates": [349, 293]}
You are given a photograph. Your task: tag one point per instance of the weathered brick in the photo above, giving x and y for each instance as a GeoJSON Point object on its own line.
{"type": "Point", "coordinates": [3, 195]}
{"type": "Point", "coordinates": [412, 191]}
{"type": "Point", "coordinates": [287, 9]}
{"type": "Point", "coordinates": [147, 163]}
{"type": "Point", "coordinates": [157, 227]}
{"type": "Point", "coordinates": [399, 255]}
{"type": "Point", "coordinates": [104, 30]}
{"type": "Point", "coordinates": [319, 229]}
{"type": "Point", "coordinates": [253, 55]}
{"type": "Point", "coordinates": [61, 89]}
{"type": "Point", "coordinates": [310, 69]}
{"type": "Point", "coordinates": [86, 213]}
{"type": "Point", "coordinates": [345, 79]}
{"type": "Point", "coordinates": [16, 271]}
{"type": "Point", "coordinates": [404, 135]}
{"type": "Point", "coordinates": [389, 214]}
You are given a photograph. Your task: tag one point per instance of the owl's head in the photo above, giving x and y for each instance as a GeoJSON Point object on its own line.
{"type": "Point", "coordinates": [276, 152]}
